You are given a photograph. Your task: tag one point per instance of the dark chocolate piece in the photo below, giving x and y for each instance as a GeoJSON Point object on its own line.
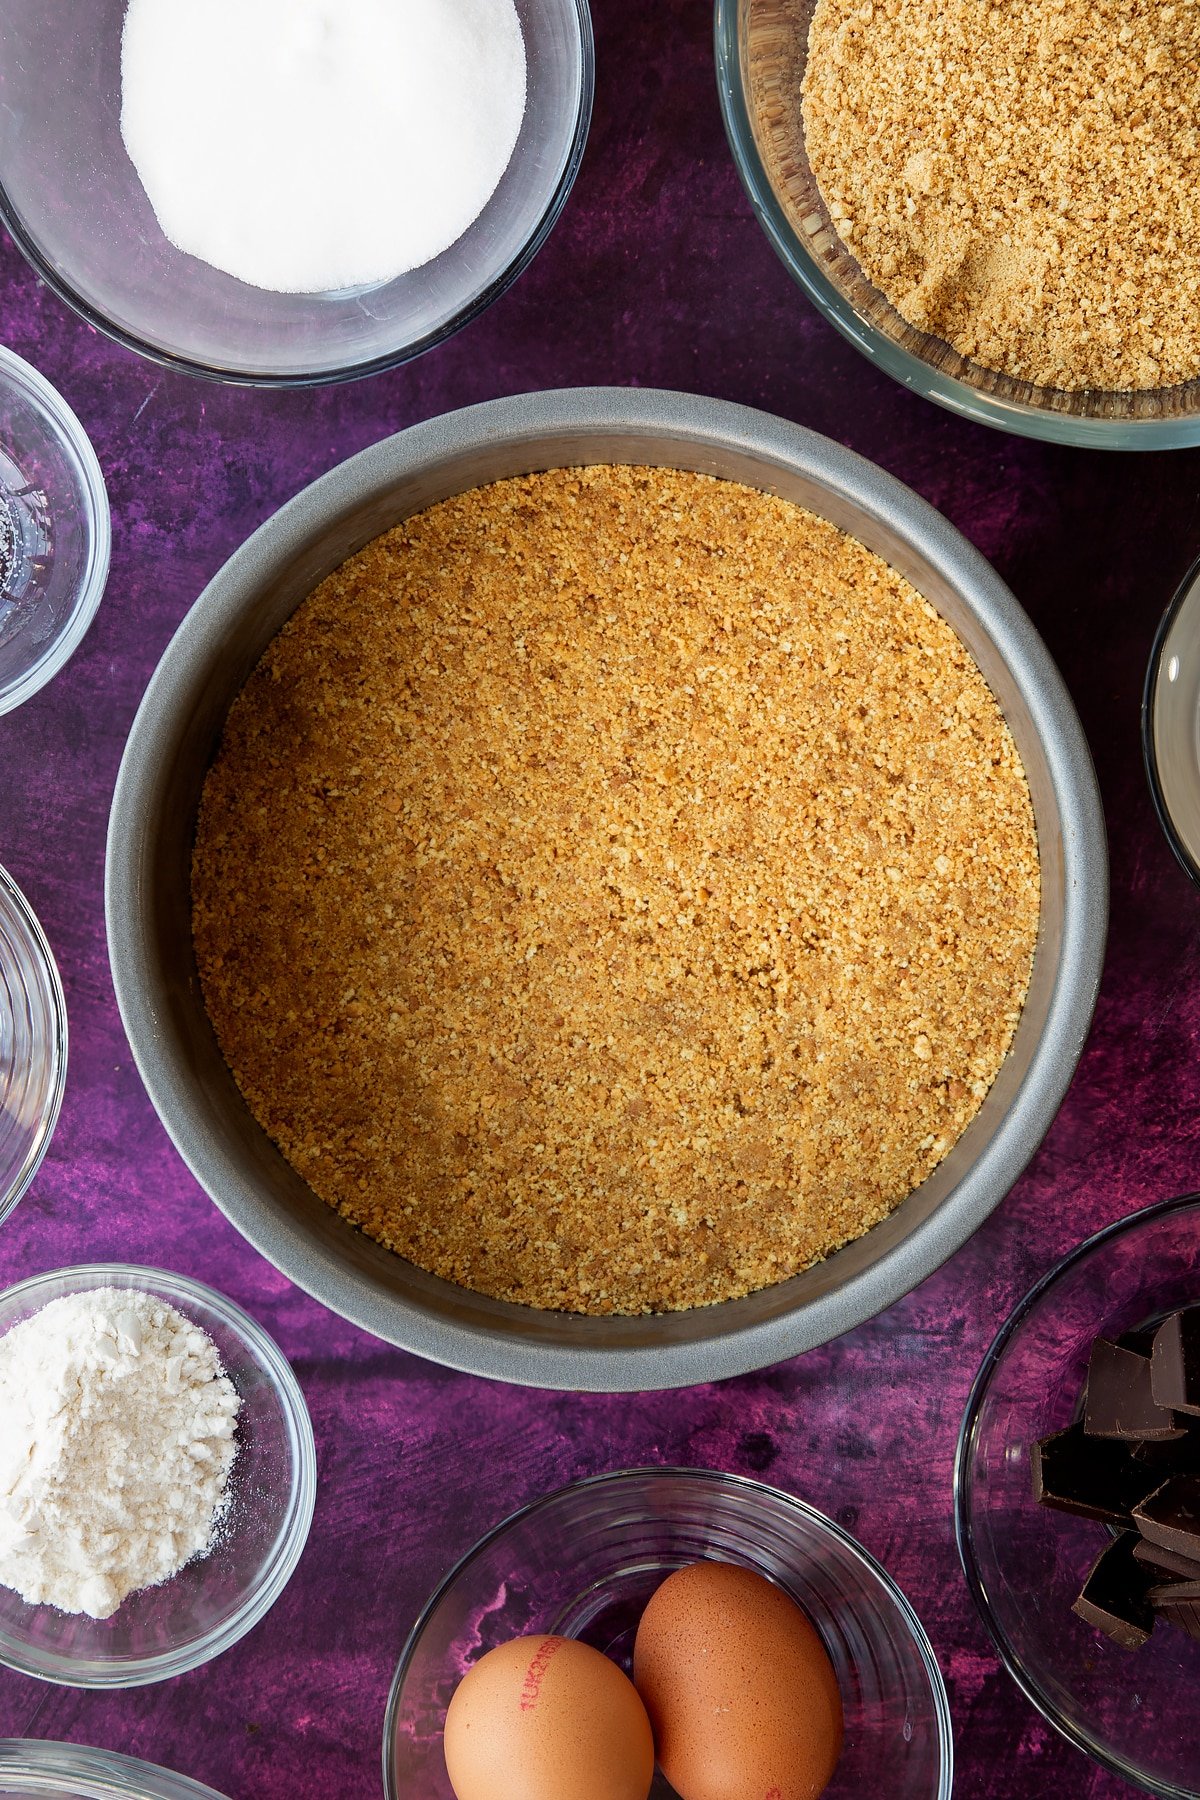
{"type": "Point", "coordinates": [1173, 1593]}
{"type": "Point", "coordinates": [1170, 1516]}
{"type": "Point", "coordinates": [1141, 1340]}
{"type": "Point", "coordinates": [1185, 1614]}
{"type": "Point", "coordinates": [1114, 1597]}
{"type": "Point", "coordinates": [1167, 1562]}
{"type": "Point", "coordinates": [1094, 1477]}
{"type": "Point", "coordinates": [1120, 1403]}
{"type": "Point", "coordinates": [1174, 1456]}
{"type": "Point", "coordinates": [1175, 1362]}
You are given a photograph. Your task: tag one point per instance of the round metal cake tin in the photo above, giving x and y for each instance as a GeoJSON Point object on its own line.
{"type": "Point", "coordinates": [175, 737]}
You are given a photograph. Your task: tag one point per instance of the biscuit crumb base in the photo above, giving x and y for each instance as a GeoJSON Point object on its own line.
{"type": "Point", "coordinates": [615, 890]}
{"type": "Point", "coordinates": [1019, 179]}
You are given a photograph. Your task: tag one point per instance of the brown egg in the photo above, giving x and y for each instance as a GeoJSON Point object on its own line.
{"type": "Point", "coordinates": [547, 1718]}
{"type": "Point", "coordinates": [739, 1688]}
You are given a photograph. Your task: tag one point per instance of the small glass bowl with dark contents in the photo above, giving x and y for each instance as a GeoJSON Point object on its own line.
{"type": "Point", "coordinates": [1132, 1710]}
{"type": "Point", "coordinates": [584, 1561]}
{"type": "Point", "coordinates": [55, 531]}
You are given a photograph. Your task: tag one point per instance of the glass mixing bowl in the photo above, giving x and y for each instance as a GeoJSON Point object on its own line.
{"type": "Point", "coordinates": [1171, 723]}
{"type": "Point", "coordinates": [73, 203]}
{"type": "Point", "coordinates": [584, 1561]}
{"type": "Point", "coordinates": [33, 1044]}
{"type": "Point", "coordinates": [55, 533]}
{"type": "Point", "coordinates": [31, 1769]}
{"type": "Point", "coordinates": [760, 49]}
{"type": "Point", "coordinates": [1133, 1711]}
{"type": "Point", "coordinates": [213, 1601]}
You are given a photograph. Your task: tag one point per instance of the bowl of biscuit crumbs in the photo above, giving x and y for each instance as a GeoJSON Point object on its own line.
{"type": "Point", "coordinates": [606, 889]}
{"type": "Point", "coordinates": [999, 205]}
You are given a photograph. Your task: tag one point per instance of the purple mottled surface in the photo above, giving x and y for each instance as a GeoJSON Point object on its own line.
{"type": "Point", "coordinates": [656, 275]}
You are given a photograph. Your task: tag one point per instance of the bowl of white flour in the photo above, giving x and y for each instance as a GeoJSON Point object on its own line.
{"type": "Point", "coordinates": [157, 1475]}
{"type": "Point", "coordinates": [288, 191]}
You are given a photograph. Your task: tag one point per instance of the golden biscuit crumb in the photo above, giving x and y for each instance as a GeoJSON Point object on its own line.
{"type": "Point", "coordinates": [615, 890]}
{"type": "Point", "coordinates": [1020, 178]}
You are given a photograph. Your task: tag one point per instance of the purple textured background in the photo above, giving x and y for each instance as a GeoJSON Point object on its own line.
{"type": "Point", "coordinates": [656, 275]}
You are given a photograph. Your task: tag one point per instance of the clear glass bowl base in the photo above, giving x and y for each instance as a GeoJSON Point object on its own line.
{"type": "Point", "coordinates": [55, 532]}
{"type": "Point", "coordinates": [35, 1769]}
{"type": "Point", "coordinates": [75, 206]}
{"type": "Point", "coordinates": [33, 1044]}
{"type": "Point", "coordinates": [761, 50]}
{"type": "Point", "coordinates": [215, 1599]}
{"type": "Point", "coordinates": [584, 1561]}
{"type": "Point", "coordinates": [1134, 1712]}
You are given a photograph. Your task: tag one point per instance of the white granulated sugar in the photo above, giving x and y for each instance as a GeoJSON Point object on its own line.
{"type": "Point", "coordinates": [116, 1441]}
{"type": "Point", "coordinates": [312, 145]}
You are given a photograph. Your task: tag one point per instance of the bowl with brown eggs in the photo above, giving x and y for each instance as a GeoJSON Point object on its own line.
{"type": "Point", "coordinates": [606, 889]}
{"type": "Point", "coordinates": [764, 1640]}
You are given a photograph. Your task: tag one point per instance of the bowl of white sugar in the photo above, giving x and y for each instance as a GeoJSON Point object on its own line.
{"type": "Point", "coordinates": [285, 192]}
{"type": "Point", "coordinates": [157, 1475]}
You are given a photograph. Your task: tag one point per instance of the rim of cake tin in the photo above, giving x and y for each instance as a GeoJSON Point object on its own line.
{"type": "Point", "coordinates": [964, 1458]}
{"type": "Point", "coordinates": [911, 371]}
{"type": "Point", "coordinates": [377, 365]}
{"type": "Point", "coordinates": [678, 420]}
{"type": "Point", "coordinates": [1182, 854]}
{"type": "Point", "coordinates": [738, 1484]}
{"type": "Point", "coordinates": [58, 1770]}
{"type": "Point", "coordinates": [43, 955]}
{"type": "Point", "coordinates": [290, 1538]}
{"type": "Point", "coordinates": [47, 401]}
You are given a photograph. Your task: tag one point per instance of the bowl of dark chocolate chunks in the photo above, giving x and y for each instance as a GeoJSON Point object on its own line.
{"type": "Point", "coordinates": [1119, 1540]}
{"type": "Point", "coordinates": [1132, 1461]}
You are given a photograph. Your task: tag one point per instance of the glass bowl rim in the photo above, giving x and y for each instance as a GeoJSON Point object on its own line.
{"type": "Point", "coordinates": [504, 278]}
{"type": "Point", "coordinates": [55, 1768]}
{"type": "Point", "coordinates": [1179, 849]}
{"type": "Point", "coordinates": [43, 398]}
{"type": "Point", "coordinates": [963, 1482]}
{"type": "Point", "coordinates": [739, 1483]}
{"type": "Point", "coordinates": [43, 955]}
{"type": "Point", "coordinates": [290, 1536]}
{"type": "Point", "coordinates": [1020, 417]}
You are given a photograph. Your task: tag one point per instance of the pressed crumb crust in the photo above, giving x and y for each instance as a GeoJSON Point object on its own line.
{"type": "Point", "coordinates": [1019, 177]}
{"type": "Point", "coordinates": [616, 889]}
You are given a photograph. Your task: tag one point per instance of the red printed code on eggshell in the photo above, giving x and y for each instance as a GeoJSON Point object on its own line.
{"type": "Point", "coordinates": [535, 1673]}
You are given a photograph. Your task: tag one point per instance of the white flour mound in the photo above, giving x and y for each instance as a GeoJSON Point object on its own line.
{"type": "Point", "coordinates": [116, 1442]}
{"type": "Point", "coordinates": [312, 145]}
